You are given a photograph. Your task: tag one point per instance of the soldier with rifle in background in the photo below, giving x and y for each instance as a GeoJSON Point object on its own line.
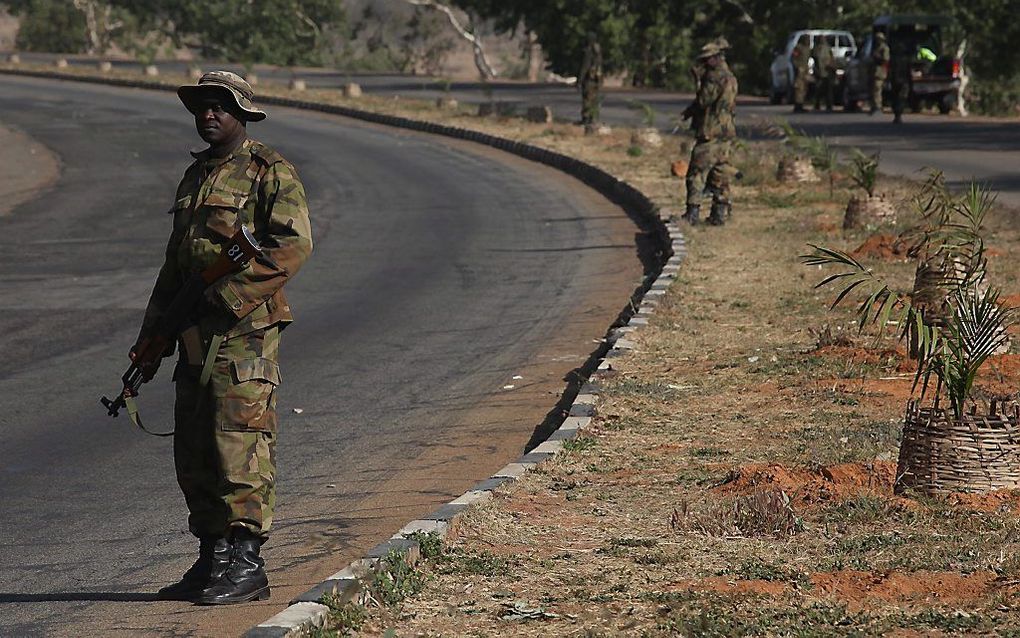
{"type": "Point", "coordinates": [712, 117]}
{"type": "Point", "coordinates": [590, 81]}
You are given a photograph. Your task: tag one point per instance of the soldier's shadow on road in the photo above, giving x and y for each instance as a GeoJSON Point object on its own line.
{"type": "Point", "coordinates": [79, 596]}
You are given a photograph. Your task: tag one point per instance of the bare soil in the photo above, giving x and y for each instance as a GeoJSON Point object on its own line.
{"type": "Point", "coordinates": [732, 394]}
{"type": "Point", "coordinates": [728, 396]}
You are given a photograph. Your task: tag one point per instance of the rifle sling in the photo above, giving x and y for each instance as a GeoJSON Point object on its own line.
{"type": "Point", "coordinates": [203, 380]}
{"type": "Point", "coordinates": [132, 411]}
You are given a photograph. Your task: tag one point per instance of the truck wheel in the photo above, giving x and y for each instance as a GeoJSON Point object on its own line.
{"type": "Point", "coordinates": [947, 103]}
{"type": "Point", "coordinates": [775, 97]}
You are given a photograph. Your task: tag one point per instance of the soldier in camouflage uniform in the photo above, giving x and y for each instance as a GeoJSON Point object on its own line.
{"type": "Point", "coordinates": [900, 80]}
{"type": "Point", "coordinates": [879, 70]}
{"type": "Point", "coordinates": [712, 116]}
{"type": "Point", "coordinates": [801, 57]}
{"type": "Point", "coordinates": [590, 81]}
{"type": "Point", "coordinates": [825, 71]}
{"type": "Point", "coordinates": [228, 371]}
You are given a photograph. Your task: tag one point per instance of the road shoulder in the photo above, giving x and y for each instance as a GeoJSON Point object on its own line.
{"type": "Point", "coordinates": [30, 168]}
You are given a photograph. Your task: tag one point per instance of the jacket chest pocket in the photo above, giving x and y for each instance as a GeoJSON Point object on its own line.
{"type": "Point", "coordinates": [181, 212]}
{"type": "Point", "coordinates": [223, 212]}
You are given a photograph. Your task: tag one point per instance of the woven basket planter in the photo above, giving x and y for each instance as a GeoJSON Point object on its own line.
{"type": "Point", "coordinates": [796, 169]}
{"type": "Point", "coordinates": [863, 211]}
{"type": "Point", "coordinates": [977, 453]}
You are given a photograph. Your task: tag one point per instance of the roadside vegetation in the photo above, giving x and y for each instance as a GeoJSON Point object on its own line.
{"type": "Point", "coordinates": [649, 44]}
{"type": "Point", "coordinates": [739, 478]}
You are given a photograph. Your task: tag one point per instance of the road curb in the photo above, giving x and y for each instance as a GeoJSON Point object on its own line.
{"type": "Point", "coordinates": [305, 612]}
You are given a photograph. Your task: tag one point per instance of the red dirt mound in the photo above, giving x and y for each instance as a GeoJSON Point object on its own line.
{"type": "Point", "coordinates": [814, 486]}
{"type": "Point", "coordinates": [726, 585]}
{"type": "Point", "coordinates": [881, 246]}
{"type": "Point", "coordinates": [870, 356]}
{"type": "Point", "coordinates": [892, 586]}
{"type": "Point", "coordinates": [999, 501]}
{"type": "Point", "coordinates": [999, 378]}
{"type": "Point", "coordinates": [1013, 301]}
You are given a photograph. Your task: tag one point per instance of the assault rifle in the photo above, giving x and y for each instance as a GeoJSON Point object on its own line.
{"type": "Point", "coordinates": [235, 255]}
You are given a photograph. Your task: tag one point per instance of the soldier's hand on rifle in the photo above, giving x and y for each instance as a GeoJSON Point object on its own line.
{"type": "Point", "coordinates": [148, 369]}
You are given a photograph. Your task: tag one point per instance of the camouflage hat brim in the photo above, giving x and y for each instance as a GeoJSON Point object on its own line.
{"type": "Point", "coordinates": [193, 94]}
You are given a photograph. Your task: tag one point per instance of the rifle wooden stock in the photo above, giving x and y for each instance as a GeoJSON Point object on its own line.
{"type": "Point", "coordinates": [233, 258]}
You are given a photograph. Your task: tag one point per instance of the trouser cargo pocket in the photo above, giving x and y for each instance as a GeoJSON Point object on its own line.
{"type": "Point", "coordinates": [249, 402]}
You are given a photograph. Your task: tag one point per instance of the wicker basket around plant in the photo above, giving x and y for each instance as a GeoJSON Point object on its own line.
{"type": "Point", "coordinates": [862, 211]}
{"type": "Point", "coordinates": [977, 453]}
{"type": "Point", "coordinates": [796, 169]}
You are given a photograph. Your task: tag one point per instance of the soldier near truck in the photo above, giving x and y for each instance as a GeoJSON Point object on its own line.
{"type": "Point", "coordinates": [879, 70]}
{"type": "Point", "coordinates": [712, 118]}
{"type": "Point", "coordinates": [227, 373]}
{"type": "Point", "coordinates": [824, 72]}
{"type": "Point", "coordinates": [801, 58]}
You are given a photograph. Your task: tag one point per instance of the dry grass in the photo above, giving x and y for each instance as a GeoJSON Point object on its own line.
{"type": "Point", "coordinates": [738, 478]}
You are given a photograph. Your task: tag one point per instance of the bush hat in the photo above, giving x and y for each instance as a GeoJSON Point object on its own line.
{"type": "Point", "coordinates": [222, 84]}
{"type": "Point", "coordinates": [709, 50]}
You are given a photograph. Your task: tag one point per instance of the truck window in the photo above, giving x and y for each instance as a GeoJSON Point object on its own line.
{"type": "Point", "coordinates": [844, 41]}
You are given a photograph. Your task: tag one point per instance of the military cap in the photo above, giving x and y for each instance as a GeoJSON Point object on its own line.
{"type": "Point", "coordinates": [722, 43]}
{"type": "Point", "coordinates": [880, 35]}
{"type": "Point", "coordinates": [709, 50]}
{"type": "Point", "coordinates": [222, 84]}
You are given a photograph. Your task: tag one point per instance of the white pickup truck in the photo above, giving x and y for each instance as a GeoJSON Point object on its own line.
{"type": "Point", "coordinates": [781, 72]}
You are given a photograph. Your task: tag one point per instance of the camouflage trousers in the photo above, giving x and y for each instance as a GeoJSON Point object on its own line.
{"type": "Point", "coordinates": [225, 441]}
{"type": "Point", "coordinates": [709, 168]}
{"type": "Point", "coordinates": [877, 82]}
{"type": "Point", "coordinates": [800, 87]}
{"type": "Point", "coordinates": [589, 103]}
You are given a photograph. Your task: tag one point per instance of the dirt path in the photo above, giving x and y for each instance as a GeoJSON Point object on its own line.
{"type": "Point", "coordinates": [32, 168]}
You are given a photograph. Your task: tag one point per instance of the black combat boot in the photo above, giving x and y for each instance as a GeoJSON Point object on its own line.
{"type": "Point", "coordinates": [244, 579]}
{"type": "Point", "coordinates": [213, 558]}
{"type": "Point", "coordinates": [719, 214]}
{"type": "Point", "coordinates": [693, 214]}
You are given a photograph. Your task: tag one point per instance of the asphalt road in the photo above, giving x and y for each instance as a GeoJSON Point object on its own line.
{"type": "Point", "coordinates": [985, 149]}
{"type": "Point", "coordinates": [443, 272]}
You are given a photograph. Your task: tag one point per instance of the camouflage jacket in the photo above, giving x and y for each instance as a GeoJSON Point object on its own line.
{"type": "Point", "coordinates": [254, 187]}
{"type": "Point", "coordinates": [715, 104]}
{"type": "Point", "coordinates": [800, 57]}
{"type": "Point", "coordinates": [825, 65]}
{"type": "Point", "coordinates": [880, 59]}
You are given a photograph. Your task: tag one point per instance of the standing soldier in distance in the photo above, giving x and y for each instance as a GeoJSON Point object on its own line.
{"type": "Point", "coordinates": [227, 372]}
{"type": "Point", "coordinates": [801, 56]}
{"type": "Point", "coordinates": [879, 69]}
{"type": "Point", "coordinates": [825, 71]}
{"type": "Point", "coordinates": [712, 112]}
{"type": "Point", "coordinates": [590, 81]}
{"type": "Point", "coordinates": [900, 80]}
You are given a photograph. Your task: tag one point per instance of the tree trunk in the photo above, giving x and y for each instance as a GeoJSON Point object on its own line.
{"type": "Point", "coordinates": [485, 69]}
{"type": "Point", "coordinates": [534, 55]}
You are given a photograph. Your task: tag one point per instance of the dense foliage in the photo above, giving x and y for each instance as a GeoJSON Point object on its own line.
{"type": "Point", "coordinates": [270, 31]}
{"type": "Point", "coordinates": [651, 41]}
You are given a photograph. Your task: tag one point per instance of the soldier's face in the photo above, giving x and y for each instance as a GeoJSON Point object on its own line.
{"type": "Point", "coordinates": [216, 123]}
